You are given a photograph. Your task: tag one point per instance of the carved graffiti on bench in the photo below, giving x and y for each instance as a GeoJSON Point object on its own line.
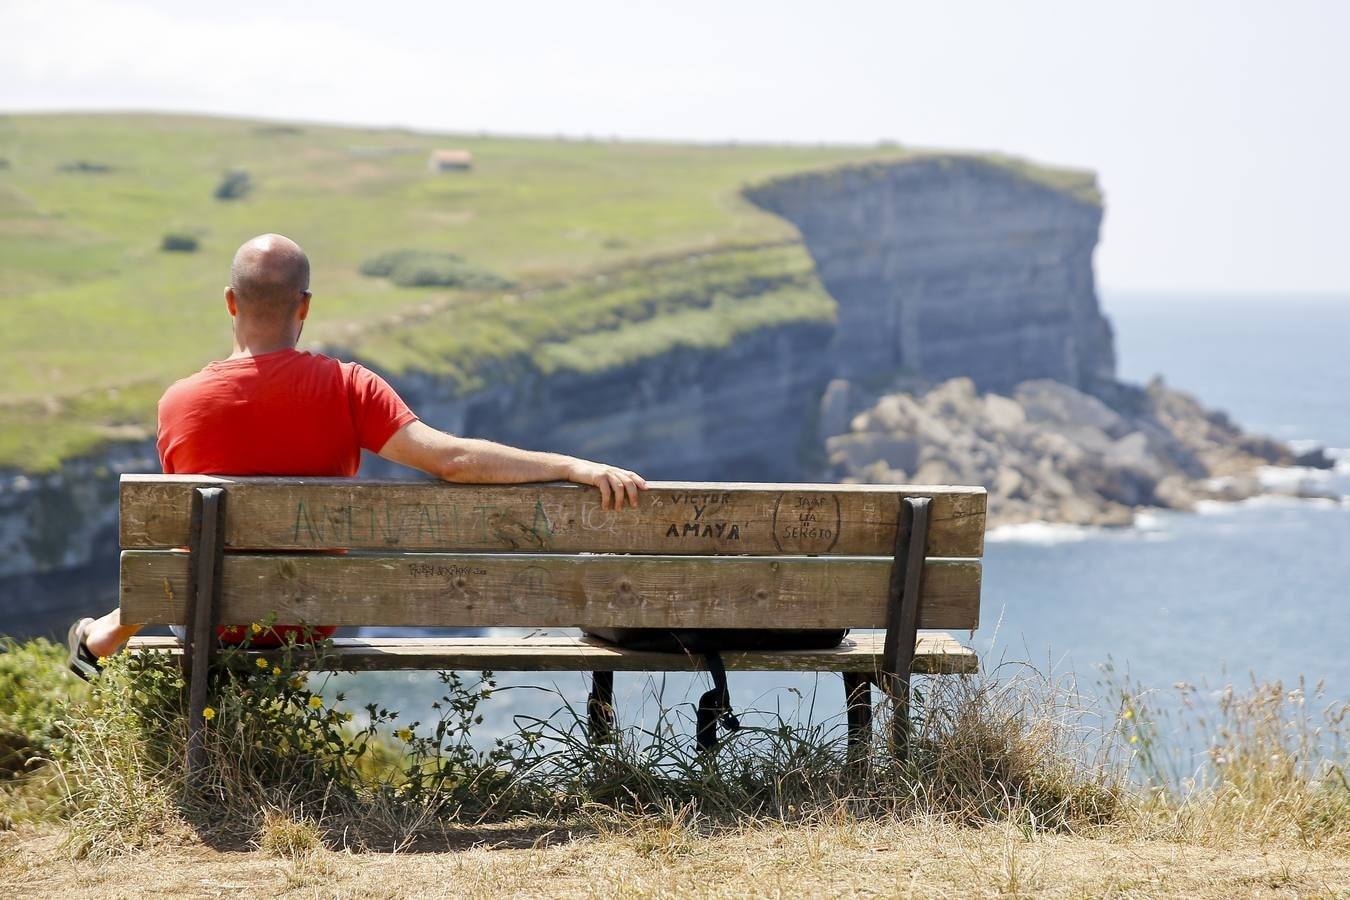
{"type": "Point", "coordinates": [807, 523]}
{"type": "Point", "coordinates": [691, 508]}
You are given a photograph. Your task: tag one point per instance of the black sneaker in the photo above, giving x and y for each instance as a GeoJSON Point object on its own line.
{"type": "Point", "coordinates": [80, 660]}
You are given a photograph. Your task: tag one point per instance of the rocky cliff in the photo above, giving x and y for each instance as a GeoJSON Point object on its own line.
{"type": "Point", "coordinates": [948, 266]}
{"type": "Point", "coordinates": [745, 411]}
{"type": "Point", "coordinates": [58, 537]}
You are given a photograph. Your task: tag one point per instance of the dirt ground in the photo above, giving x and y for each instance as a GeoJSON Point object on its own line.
{"type": "Point", "coordinates": [765, 861]}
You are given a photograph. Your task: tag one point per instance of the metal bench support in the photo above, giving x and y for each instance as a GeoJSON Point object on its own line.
{"type": "Point", "coordinates": [600, 707]}
{"type": "Point", "coordinates": [207, 547]}
{"type": "Point", "coordinates": [858, 706]}
{"type": "Point", "coordinates": [902, 616]}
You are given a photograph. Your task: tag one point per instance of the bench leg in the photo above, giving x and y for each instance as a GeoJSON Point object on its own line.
{"type": "Point", "coordinates": [600, 707]}
{"type": "Point", "coordinates": [207, 546]}
{"type": "Point", "coordinates": [858, 705]}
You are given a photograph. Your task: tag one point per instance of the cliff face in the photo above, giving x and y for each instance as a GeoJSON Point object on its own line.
{"type": "Point", "coordinates": [58, 538]}
{"type": "Point", "coordinates": [742, 412]}
{"type": "Point", "coordinates": [952, 266]}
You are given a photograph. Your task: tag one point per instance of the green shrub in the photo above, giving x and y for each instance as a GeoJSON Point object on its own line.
{"type": "Point", "coordinates": [425, 268]}
{"type": "Point", "coordinates": [35, 688]}
{"type": "Point", "coordinates": [179, 242]}
{"type": "Point", "coordinates": [35, 692]}
{"type": "Point", "coordinates": [383, 265]}
{"type": "Point", "coordinates": [235, 185]}
{"type": "Point", "coordinates": [273, 742]}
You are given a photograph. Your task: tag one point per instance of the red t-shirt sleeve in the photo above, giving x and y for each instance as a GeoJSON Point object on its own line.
{"type": "Point", "coordinates": [377, 409]}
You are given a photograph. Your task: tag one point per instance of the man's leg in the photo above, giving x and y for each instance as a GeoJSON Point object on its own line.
{"type": "Point", "coordinates": [106, 635]}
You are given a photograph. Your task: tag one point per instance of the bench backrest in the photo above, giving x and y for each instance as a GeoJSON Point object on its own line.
{"type": "Point", "coordinates": [546, 555]}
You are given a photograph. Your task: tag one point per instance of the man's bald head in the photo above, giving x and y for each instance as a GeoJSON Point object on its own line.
{"type": "Point", "coordinates": [270, 277]}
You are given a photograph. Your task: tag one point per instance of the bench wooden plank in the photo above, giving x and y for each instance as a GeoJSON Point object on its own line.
{"type": "Point", "coordinates": [936, 653]}
{"type": "Point", "coordinates": [674, 517]}
{"type": "Point", "coordinates": [550, 591]}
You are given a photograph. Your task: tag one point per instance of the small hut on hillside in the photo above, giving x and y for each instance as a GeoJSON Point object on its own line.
{"type": "Point", "coordinates": [450, 161]}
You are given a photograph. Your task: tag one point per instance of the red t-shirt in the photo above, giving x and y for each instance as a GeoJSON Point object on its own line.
{"type": "Point", "coordinates": [282, 413]}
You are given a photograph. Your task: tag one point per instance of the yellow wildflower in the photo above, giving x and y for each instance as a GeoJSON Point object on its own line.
{"type": "Point", "coordinates": [276, 670]}
{"type": "Point", "coordinates": [257, 629]}
{"type": "Point", "coordinates": [208, 714]}
{"type": "Point", "coordinates": [404, 734]}
{"type": "Point", "coordinates": [262, 663]}
{"type": "Point", "coordinates": [1134, 739]}
{"type": "Point", "coordinates": [315, 702]}
{"type": "Point", "coordinates": [1129, 714]}
{"type": "Point", "coordinates": [297, 682]}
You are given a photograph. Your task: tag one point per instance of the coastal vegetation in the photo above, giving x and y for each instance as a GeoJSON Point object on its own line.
{"type": "Point", "coordinates": [97, 321]}
{"type": "Point", "coordinates": [1016, 785]}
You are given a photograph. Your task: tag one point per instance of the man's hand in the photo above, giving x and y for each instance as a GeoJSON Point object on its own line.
{"type": "Point", "coordinates": [476, 461]}
{"type": "Point", "coordinates": [615, 484]}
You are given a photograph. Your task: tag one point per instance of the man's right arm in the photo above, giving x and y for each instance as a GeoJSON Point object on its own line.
{"type": "Point", "coordinates": [476, 461]}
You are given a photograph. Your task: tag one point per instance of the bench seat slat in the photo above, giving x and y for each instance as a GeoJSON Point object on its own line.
{"type": "Point", "coordinates": [694, 518]}
{"type": "Point", "coordinates": [549, 590]}
{"type": "Point", "coordinates": [936, 653]}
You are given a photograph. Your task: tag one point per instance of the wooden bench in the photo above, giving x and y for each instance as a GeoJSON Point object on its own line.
{"type": "Point", "coordinates": [693, 555]}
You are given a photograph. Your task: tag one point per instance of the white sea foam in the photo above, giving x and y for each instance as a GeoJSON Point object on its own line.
{"type": "Point", "coordinates": [1148, 520]}
{"type": "Point", "coordinates": [1148, 525]}
{"type": "Point", "coordinates": [1293, 479]}
{"type": "Point", "coordinates": [1044, 533]}
{"type": "Point", "coordinates": [1213, 507]}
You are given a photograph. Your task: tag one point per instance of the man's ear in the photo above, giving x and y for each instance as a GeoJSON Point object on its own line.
{"type": "Point", "coordinates": [231, 303]}
{"type": "Point", "coordinates": [303, 311]}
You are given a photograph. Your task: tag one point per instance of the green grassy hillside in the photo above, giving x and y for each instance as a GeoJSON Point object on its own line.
{"type": "Point", "coordinates": [601, 241]}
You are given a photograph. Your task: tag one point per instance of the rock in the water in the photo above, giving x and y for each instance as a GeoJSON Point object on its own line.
{"type": "Point", "coordinates": [1052, 453]}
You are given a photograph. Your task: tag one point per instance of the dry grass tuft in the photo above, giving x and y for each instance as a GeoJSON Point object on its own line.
{"type": "Point", "coordinates": [284, 835]}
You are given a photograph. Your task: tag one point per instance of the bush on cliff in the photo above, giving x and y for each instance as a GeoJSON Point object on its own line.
{"type": "Point", "coordinates": [425, 268]}
{"type": "Point", "coordinates": [234, 185]}
{"type": "Point", "coordinates": [35, 692]}
{"type": "Point", "coordinates": [36, 689]}
{"type": "Point", "coordinates": [179, 242]}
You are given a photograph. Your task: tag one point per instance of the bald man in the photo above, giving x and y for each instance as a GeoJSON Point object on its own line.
{"type": "Point", "coordinates": [269, 409]}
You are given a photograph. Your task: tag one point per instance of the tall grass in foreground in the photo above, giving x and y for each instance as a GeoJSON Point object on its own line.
{"type": "Point", "coordinates": [1011, 747]}
{"type": "Point", "coordinates": [1266, 763]}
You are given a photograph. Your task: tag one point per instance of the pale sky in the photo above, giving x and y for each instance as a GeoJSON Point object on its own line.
{"type": "Point", "coordinates": [1220, 129]}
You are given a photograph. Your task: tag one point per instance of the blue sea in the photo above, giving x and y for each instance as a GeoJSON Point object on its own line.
{"type": "Point", "coordinates": [1259, 589]}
